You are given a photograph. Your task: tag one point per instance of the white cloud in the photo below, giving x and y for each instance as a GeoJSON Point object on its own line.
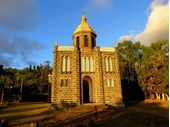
{"type": "Point", "coordinates": [126, 37]}
{"type": "Point", "coordinates": [157, 26]}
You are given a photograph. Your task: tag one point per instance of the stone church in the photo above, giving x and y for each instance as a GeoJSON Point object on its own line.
{"type": "Point", "coordinates": [86, 73]}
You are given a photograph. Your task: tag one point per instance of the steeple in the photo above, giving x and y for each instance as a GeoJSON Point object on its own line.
{"type": "Point", "coordinates": [83, 19]}
{"type": "Point", "coordinates": [84, 37]}
{"type": "Point", "coordinates": [84, 26]}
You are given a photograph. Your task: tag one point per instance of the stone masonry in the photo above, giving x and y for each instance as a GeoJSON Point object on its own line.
{"type": "Point", "coordinates": [86, 73]}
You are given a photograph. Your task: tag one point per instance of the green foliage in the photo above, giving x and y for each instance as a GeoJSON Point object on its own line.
{"type": "Point", "coordinates": [54, 106]}
{"type": "Point", "coordinates": [28, 81]}
{"type": "Point", "coordinates": [153, 72]}
{"type": "Point", "coordinates": [147, 66]}
{"type": "Point", "coordinates": [66, 105]}
{"type": "Point", "coordinates": [129, 55]}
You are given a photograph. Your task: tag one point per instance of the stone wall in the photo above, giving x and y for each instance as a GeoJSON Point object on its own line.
{"type": "Point", "coordinates": [112, 91]}
{"type": "Point", "coordinates": [102, 93]}
{"type": "Point", "coordinates": [71, 92]}
{"type": "Point", "coordinates": [99, 89]}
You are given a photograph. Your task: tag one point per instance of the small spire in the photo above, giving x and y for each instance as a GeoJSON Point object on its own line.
{"type": "Point", "coordinates": [83, 19]}
{"type": "Point", "coordinates": [56, 43]}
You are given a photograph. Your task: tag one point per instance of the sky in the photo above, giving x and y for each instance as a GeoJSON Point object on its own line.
{"type": "Point", "coordinates": [29, 29]}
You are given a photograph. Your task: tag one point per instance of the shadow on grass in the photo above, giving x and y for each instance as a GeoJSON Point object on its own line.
{"type": "Point", "coordinates": [11, 110]}
{"type": "Point", "coordinates": [3, 106]}
{"type": "Point", "coordinates": [20, 117]}
{"type": "Point", "coordinates": [144, 115]}
{"type": "Point", "coordinates": [157, 108]}
{"type": "Point", "coordinates": [14, 105]}
{"type": "Point", "coordinates": [125, 117]}
{"type": "Point", "coordinates": [73, 119]}
{"type": "Point", "coordinates": [129, 103]}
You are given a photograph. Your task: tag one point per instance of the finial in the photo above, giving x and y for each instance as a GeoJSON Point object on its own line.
{"type": "Point", "coordinates": [83, 19]}
{"type": "Point", "coordinates": [56, 43]}
{"type": "Point", "coordinates": [114, 45]}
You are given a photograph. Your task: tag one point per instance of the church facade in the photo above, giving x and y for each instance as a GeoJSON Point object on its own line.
{"type": "Point", "coordinates": [86, 73]}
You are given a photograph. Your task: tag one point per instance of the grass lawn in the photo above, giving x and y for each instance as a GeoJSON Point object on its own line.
{"type": "Point", "coordinates": [25, 112]}
{"type": "Point", "coordinates": [155, 107]}
{"type": "Point", "coordinates": [143, 114]}
{"type": "Point", "coordinates": [149, 113]}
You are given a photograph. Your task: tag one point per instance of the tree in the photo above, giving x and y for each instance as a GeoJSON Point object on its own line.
{"type": "Point", "coordinates": [31, 83]}
{"type": "Point", "coordinates": [153, 70]}
{"type": "Point", "coordinates": [129, 57]}
{"type": "Point", "coordinates": [43, 71]}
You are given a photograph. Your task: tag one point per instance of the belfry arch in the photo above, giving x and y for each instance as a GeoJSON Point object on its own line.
{"type": "Point", "coordinates": [87, 90]}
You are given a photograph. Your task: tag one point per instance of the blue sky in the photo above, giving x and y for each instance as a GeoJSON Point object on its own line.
{"type": "Point", "coordinates": [29, 29]}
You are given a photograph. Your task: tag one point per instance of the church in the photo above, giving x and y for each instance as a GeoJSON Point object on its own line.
{"type": "Point", "coordinates": [86, 73]}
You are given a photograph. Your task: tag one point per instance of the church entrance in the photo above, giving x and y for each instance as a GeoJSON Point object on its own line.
{"type": "Point", "coordinates": [87, 90]}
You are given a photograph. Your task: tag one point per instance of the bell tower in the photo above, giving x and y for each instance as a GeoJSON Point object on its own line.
{"type": "Point", "coordinates": [84, 37]}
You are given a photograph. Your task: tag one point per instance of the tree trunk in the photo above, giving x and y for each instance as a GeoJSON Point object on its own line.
{"type": "Point", "coordinates": [167, 97]}
{"type": "Point", "coordinates": [146, 95]}
{"type": "Point", "coordinates": [150, 95]}
{"type": "Point", "coordinates": [163, 96]}
{"type": "Point", "coordinates": [157, 96]}
{"type": "Point", "coordinates": [21, 86]}
{"type": "Point", "coordinates": [153, 96]}
{"type": "Point", "coordinates": [2, 97]}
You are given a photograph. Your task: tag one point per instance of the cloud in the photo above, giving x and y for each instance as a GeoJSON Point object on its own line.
{"type": "Point", "coordinates": [126, 37]}
{"type": "Point", "coordinates": [19, 47]}
{"type": "Point", "coordinates": [157, 26]}
{"type": "Point", "coordinates": [6, 60]}
{"type": "Point", "coordinates": [102, 4]}
{"type": "Point", "coordinates": [18, 15]}
{"type": "Point", "coordinates": [16, 18]}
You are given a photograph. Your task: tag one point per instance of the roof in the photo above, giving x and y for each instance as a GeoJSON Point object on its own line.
{"type": "Point", "coordinates": [84, 26]}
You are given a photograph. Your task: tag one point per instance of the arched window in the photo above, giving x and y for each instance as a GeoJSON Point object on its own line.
{"type": "Point", "coordinates": [93, 41]}
{"type": "Point", "coordinates": [85, 40]}
{"type": "Point", "coordinates": [77, 40]}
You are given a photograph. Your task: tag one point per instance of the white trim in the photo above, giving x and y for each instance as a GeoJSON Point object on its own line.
{"type": "Point", "coordinates": [68, 63]}
{"type": "Point", "coordinates": [63, 64]}
{"type": "Point", "coordinates": [110, 64]}
{"type": "Point", "coordinates": [82, 64]}
{"type": "Point", "coordinates": [108, 82]}
{"type": "Point", "coordinates": [91, 64]}
{"type": "Point", "coordinates": [87, 64]}
{"type": "Point", "coordinates": [65, 48]}
{"type": "Point", "coordinates": [107, 64]}
{"type": "Point", "coordinates": [107, 49]}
